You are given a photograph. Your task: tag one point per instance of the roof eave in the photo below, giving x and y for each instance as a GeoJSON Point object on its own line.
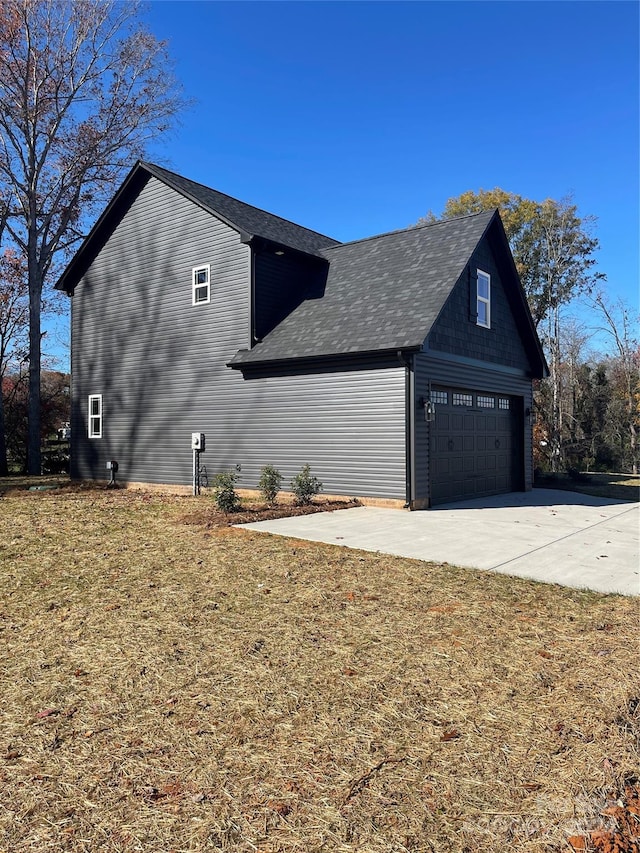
{"type": "Point", "coordinates": [320, 357]}
{"type": "Point", "coordinates": [245, 236]}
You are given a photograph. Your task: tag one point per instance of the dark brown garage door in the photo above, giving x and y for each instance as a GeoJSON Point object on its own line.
{"type": "Point", "coordinates": [474, 446]}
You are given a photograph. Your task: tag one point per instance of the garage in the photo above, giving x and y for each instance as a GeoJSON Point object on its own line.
{"type": "Point", "coordinates": [474, 444]}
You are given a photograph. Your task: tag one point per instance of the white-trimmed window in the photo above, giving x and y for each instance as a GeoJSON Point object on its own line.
{"type": "Point", "coordinates": [95, 415]}
{"type": "Point", "coordinates": [201, 282]}
{"type": "Point", "coordinates": [483, 302]}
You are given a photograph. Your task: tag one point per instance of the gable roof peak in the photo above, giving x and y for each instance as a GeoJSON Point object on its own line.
{"type": "Point", "coordinates": [244, 218]}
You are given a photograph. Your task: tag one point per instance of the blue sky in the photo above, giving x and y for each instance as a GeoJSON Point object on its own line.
{"type": "Point", "coordinates": [357, 118]}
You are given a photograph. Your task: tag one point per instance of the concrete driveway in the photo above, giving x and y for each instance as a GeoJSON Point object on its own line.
{"type": "Point", "coordinates": [548, 535]}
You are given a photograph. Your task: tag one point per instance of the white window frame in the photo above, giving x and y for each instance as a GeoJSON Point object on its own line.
{"type": "Point", "coordinates": [481, 300]}
{"type": "Point", "coordinates": [94, 431]}
{"type": "Point", "coordinates": [195, 286]}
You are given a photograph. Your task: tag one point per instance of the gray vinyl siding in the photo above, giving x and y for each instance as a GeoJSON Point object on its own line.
{"type": "Point", "coordinates": [138, 340]}
{"type": "Point", "coordinates": [456, 374]}
{"type": "Point", "coordinates": [348, 425]}
{"type": "Point", "coordinates": [160, 364]}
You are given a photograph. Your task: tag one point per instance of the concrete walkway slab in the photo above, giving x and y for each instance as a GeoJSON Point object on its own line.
{"type": "Point", "coordinates": [546, 534]}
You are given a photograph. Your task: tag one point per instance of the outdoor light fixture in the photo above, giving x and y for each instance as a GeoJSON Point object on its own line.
{"type": "Point", "coordinates": [429, 409]}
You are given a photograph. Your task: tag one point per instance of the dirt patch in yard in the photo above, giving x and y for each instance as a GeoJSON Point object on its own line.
{"type": "Point", "coordinates": [193, 687]}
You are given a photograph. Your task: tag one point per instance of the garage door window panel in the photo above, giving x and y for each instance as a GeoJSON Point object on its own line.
{"type": "Point", "coordinates": [462, 399]}
{"type": "Point", "coordinates": [486, 402]}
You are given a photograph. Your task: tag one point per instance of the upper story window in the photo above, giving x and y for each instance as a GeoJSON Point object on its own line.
{"type": "Point", "coordinates": [201, 278]}
{"type": "Point", "coordinates": [95, 415]}
{"type": "Point", "coordinates": [483, 302]}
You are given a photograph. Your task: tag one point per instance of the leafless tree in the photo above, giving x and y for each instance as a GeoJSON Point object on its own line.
{"type": "Point", "coordinates": [83, 89]}
{"type": "Point", "coordinates": [620, 323]}
{"type": "Point", "coordinates": [14, 322]}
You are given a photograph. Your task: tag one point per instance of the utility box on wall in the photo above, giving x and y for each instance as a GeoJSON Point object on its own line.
{"type": "Point", "coordinates": [197, 441]}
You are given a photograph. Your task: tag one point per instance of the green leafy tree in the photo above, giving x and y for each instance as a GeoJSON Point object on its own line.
{"type": "Point", "coordinates": [83, 89]}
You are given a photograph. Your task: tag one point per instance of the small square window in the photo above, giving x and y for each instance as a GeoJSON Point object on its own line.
{"type": "Point", "coordinates": [201, 281]}
{"type": "Point", "coordinates": [483, 300]}
{"type": "Point", "coordinates": [95, 416]}
{"type": "Point", "coordinates": [441, 397]}
{"type": "Point", "coordinates": [462, 399]}
{"type": "Point", "coordinates": [503, 403]}
{"type": "Point", "coordinates": [486, 402]}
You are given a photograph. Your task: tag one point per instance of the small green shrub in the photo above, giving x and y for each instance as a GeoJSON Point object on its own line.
{"type": "Point", "coordinates": [305, 486]}
{"type": "Point", "coordinates": [269, 483]}
{"type": "Point", "coordinates": [224, 492]}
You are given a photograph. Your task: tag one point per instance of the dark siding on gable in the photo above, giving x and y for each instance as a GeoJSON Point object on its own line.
{"type": "Point", "coordinates": [456, 331]}
{"type": "Point", "coordinates": [282, 282]}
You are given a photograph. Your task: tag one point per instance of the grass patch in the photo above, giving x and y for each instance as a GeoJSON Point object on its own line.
{"type": "Point", "coordinates": [619, 487]}
{"type": "Point", "coordinates": [194, 687]}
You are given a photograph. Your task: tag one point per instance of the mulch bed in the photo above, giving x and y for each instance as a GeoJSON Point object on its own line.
{"type": "Point", "coordinates": [209, 516]}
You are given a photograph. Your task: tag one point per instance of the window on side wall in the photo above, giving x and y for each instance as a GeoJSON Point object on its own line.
{"type": "Point", "coordinates": [95, 416]}
{"type": "Point", "coordinates": [201, 284]}
{"type": "Point", "coordinates": [483, 301]}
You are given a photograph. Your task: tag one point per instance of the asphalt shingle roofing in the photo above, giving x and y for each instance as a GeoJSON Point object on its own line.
{"type": "Point", "coordinates": [245, 217]}
{"type": "Point", "coordinates": [382, 293]}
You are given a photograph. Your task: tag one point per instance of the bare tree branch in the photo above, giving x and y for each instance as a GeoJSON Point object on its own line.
{"type": "Point", "coordinates": [83, 89]}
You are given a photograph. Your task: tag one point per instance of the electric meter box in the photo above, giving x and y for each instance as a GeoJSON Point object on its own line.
{"type": "Point", "coordinates": [197, 441]}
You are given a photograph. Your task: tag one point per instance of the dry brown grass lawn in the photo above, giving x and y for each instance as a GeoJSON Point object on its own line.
{"type": "Point", "coordinates": [174, 687]}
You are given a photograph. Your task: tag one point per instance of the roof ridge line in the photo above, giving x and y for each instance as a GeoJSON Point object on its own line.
{"type": "Point", "coordinates": [407, 229]}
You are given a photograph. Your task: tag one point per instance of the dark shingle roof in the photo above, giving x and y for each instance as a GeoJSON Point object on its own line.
{"type": "Point", "coordinates": [245, 217]}
{"type": "Point", "coordinates": [383, 293]}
